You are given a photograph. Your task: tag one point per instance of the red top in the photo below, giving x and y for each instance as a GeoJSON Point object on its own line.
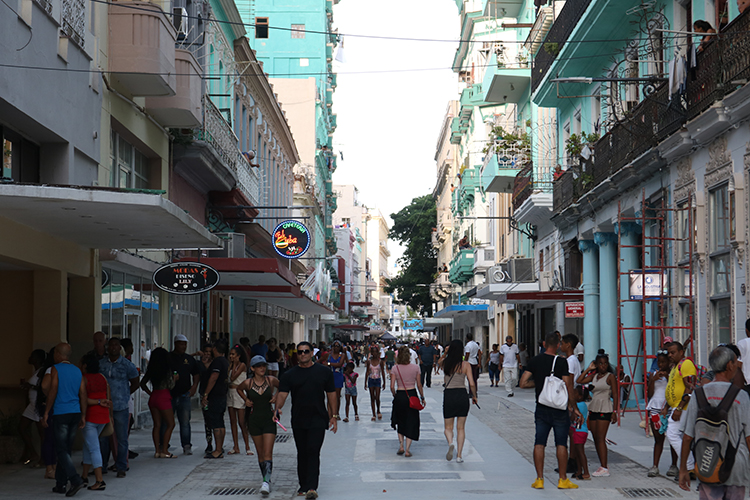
{"type": "Point", "coordinates": [96, 388]}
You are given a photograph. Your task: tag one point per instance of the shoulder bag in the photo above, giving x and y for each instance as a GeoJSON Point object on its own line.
{"type": "Point", "coordinates": [554, 392]}
{"type": "Point", "coordinates": [414, 402]}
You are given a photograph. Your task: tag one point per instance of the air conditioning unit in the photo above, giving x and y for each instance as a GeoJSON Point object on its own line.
{"type": "Point", "coordinates": [521, 270]}
{"type": "Point", "coordinates": [180, 22]}
{"type": "Point", "coordinates": [498, 274]}
{"type": "Point", "coordinates": [546, 281]}
{"type": "Point", "coordinates": [484, 258]}
{"type": "Point", "coordinates": [234, 246]}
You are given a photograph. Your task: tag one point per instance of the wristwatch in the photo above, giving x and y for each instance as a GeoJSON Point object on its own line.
{"type": "Point", "coordinates": [334, 416]}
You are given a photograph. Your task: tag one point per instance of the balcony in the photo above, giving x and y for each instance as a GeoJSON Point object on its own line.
{"type": "Point", "coordinates": [558, 34]}
{"type": "Point", "coordinates": [142, 49]}
{"type": "Point", "coordinates": [441, 288]}
{"type": "Point", "coordinates": [462, 267]}
{"type": "Point", "coordinates": [444, 227]}
{"type": "Point", "coordinates": [210, 159]}
{"type": "Point", "coordinates": [716, 99]}
{"type": "Point", "coordinates": [532, 196]}
{"type": "Point", "coordinates": [501, 165]}
{"type": "Point", "coordinates": [183, 110]}
{"type": "Point", "coordinates": [503, 85]}
{"type": "Point", "coordinates": [456, 132]}
{"type": "Point", "coordinates": [465, 190]}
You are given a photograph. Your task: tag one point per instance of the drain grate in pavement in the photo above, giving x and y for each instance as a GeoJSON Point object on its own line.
{"type": "Point", "coordinates": [226, 491]}
{"type": "Point", "coordinates": [483, 492]}
{"type": "Point", "coordinates": [647, 493]}
{"type": "Point", "coordinates": [412, 476]}
{"type": "Point", "coordinates": [283, 438]}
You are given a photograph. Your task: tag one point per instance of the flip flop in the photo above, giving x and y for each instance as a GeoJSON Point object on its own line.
{"type": "Point", "coordinates": [249, 453]}
{"type": "Point", "coordinates": [168, 455]}
{"type": "Point", "coordinates": [356, 417]}
{"type": "Point", "coordinates": [400, 452]}
{"type": "Point", "coordinates": [380, 416]}
{"type": "Point", "coordinates": [407, 454]}
{"type": "Point", "coordinates": [374, 419]}
{"type": "Point", "coordinates": [98, 486]}
{"type": "Point", "coordinates": [345, 420]}
{"type": "Point", "coordinates": [232, 452]}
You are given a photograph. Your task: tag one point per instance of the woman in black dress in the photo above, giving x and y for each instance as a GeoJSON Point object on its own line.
{"type": "Point", "coordinates": [456, 372]}
{"type": "Point", "coordinates": [404, 418]}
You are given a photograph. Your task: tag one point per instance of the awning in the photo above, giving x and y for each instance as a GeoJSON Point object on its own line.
{"type": "Point", "coordinates": [388, 336]}
{"type": "Point", "coordinates": [352, 327]}
{"type": "Point", "coordinates": [104, 218]}
{"type": "Point", "coordinates": [499, 291]}
{"type": "Point", "coordinates": [455, 310]}
{"type": "Point", "coordinates": [527, 293]}
{"type": "Point", "coordinates": [263, 279]}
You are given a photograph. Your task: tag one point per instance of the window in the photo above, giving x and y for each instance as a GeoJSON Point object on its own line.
{"type": "Point", "coordinates": [722, 322]}
{"type": "Point", "coordinates": [683, 231]}
{"type": "Point", "coordinates": [130, 168]}
{"type": "Point", "coordinates": [261, 27]}
{"type": "Point", "coordinates": [719, 217]}
{"type": "Point", "coordinates": [720, 267]}
{"type": "Point", "coordinates": [577, 122]}
{"type": "Point", "coordinates": [298, 31]}
{"type": "Point", "coordinates": [20, 158]}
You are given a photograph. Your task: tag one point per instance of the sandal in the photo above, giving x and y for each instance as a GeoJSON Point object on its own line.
{"type": "Point", "coordinates": [380, 416]}
{"type": "Point", "coordinates": [400, 452]}
{"type": "Point", "coordinates": [232, 452]}
{"type": "Point", "coordinates": [168, 455]}
{"type": "Point", "coordinates": [98, 486]}
{"type": "Point", "coordinates": [248, 453]}
{"type": "Point", "coordinates": [407, 454]}
{"type": "Point", "coordinates": [345, 420]}
{"type": "Point", "coordinates": [356, 417]}
{"type": "Point", "coordinates": [373, 419]}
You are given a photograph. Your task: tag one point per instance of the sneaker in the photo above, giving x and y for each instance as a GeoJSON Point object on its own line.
{"type": "Point", "coordinates": [311, 495]}
{"type": "Point", "coordinates": [74, 489]}
{"type": "Point", "coordinates": [58, 489]}
{"type": "Point", "coordinates": [121, 473]}
{"type": "Point", "coordinates": [459, 460]}
{"type": "Point", "coordinates": [653, 471]}
{"type": "Point", "coordinates": [673, 471]}
{"type": "Point", "coordinates": [132, 454]}
{"type": "Point", "coordinates": [601, 472]}
{"type": "Point", "coordinates": [510, 395]}
{"type": "Point", "coordinates": [187, 450]}
{"type": "Point", "coordinates": [265, 490]}
{"type": "Point", "coordinates": [301, 492]}
{"type": "Point", "coordinates": [566, 484]}
{"type": "Point", "coordinates": [449, 455]}
{"type": "Point", "coordinates": [538, 484]}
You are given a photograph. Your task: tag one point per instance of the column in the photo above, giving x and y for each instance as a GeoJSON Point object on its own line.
{"type": "Point", "coordinates": [607, 293]}
{"type": "Point", "coordinates": [631, 312]}
{"type": "Point", "coordinates": [591, 328]}
{"type": "Point", "coordinates": [50, 308]}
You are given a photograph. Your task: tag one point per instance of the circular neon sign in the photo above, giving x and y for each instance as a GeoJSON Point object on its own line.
{"type": "Point", "coordinates": [291, 239]}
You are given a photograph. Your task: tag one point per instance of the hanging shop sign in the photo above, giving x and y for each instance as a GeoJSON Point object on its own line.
{"type": "Point", "coordinates": [291, 239]}
{"type": "Point", "coordinates": [650, 284]}
{"type": "Point", "coordinates": [186, 278]}
{"type": "Point", "coordinates": [574, 310]}
{"type": "Point", "coordinates": [414, 324]}
{"type": "Point", "coordinates": [105, 278]}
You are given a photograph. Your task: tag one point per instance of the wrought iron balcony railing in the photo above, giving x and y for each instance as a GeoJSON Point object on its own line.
{"type": "Point", "coordinates": [723, 66]}
{"type": "Point", "coordinates": [74, 20]}
{"type": "Point", "coordinates": [528, 181]}
{"type": "Point", "coordinates": [558, 34]}
{"type": "Point", "coordinates": [219, 134]}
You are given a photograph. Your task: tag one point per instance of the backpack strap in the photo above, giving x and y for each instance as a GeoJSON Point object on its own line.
{"type": "Point", "coordinates": [726, 403]}
{"type": "Point", "coordinates": [700, 396]}
{"type": "Point", "coordinates": [554, 362]}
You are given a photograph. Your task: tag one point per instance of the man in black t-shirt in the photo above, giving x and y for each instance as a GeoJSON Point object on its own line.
{"type": "Point", "coordinates": [427, 356]}
{"type": "Point", "coordinates": [215, 398]}
{"type": "Point", "coordinates": [184, 389]}
{"type": "Point", "coordinates": [547, 418]}
{"type": "Point", "coordinates": [311, 384]}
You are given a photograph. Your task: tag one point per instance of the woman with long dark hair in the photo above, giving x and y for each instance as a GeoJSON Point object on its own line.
{"type": "Point", "coordinates": [404, 418]}
{"type": "Point", "coordinates": [49, 455]}
{"type": "Point", "coordinates": [235, 403]}
{"type": "Point", "coordinates": [30, 416]}
{"type": "Point", "coordinates": [602, 407]}
{"type": "Point", "coordinates": [273, 357]}
{"type": "Point", "coordinates": [456, 372]}
{"type": "Point", "coordinates": [159, 373]}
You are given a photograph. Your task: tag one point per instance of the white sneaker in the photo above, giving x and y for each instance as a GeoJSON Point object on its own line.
{"type": "Point", "coordinates": [653, 471]}
{"type": "Point", "coordinates": [459, 460]}
{"type": "Point", "coordinates": [601, 472]}
{"type": "Point", "coordinates": [265, 489]}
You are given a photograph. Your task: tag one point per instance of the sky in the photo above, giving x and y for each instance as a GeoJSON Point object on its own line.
{"type": "Point", "coordinates": [388, 123]}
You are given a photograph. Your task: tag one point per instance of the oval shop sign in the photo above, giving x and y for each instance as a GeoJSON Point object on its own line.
{"type": "Point", "coordinates": [185, 278]}
{"type": "Point", "coordinates": [291, 239]}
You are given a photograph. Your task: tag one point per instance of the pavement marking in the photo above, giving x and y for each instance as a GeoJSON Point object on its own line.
{"type": "Point", "coordinates": [424, 450]}
{"type": "Point", "coordinates": [643, 448]}
{"type": "Point", "coordinates": [387, 476]}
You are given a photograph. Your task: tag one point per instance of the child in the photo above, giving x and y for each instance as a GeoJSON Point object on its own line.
{"type": "Point", "coordinates": [350, 389]}
{"type": "Point", "coordinates": [580, 434]}
{"type": "Point", "coordinates": [657, 401]}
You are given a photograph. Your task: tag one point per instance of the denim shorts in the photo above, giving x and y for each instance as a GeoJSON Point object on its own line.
{"type": "Point", "coordinates": [547, 419]}
{"type": "Point", "coordinates": [350, 391]}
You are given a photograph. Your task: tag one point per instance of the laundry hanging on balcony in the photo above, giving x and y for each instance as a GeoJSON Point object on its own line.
{"type": "Point", "coordinates": [677, 75]}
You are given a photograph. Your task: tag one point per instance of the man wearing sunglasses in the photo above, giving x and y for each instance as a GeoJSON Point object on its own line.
{"type": "Point", "coordinates": [311, 385]}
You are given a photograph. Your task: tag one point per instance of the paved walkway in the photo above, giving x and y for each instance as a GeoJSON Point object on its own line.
{"type": "Point", "coordinates": [361, 459]}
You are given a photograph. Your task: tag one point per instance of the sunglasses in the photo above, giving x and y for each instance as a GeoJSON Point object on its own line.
{"type": "Point", "coordinates": [662, 351]}
{"type": "Point", "coordinates": [303, 351]}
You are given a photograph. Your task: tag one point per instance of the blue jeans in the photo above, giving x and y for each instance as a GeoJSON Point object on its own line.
{"type": "Point", "coordinates": [65, 427]}
{"type": "Point", "coordinates": [92, 453]}
{"type": "Point", "coordinates": [121, 423]}
{"type": "Point", "coordinates": [181, 406]}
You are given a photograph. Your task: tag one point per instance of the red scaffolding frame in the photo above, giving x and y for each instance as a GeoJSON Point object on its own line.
{"type": "Point", "coordinates": [676, 286]}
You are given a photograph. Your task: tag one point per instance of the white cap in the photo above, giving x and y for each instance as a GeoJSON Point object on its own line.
{"type": "Point", "coordinates": [180, 338]}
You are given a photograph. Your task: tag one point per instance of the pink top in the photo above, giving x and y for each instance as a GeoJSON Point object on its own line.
{"type": "Point", "coordinates": [406, 375]}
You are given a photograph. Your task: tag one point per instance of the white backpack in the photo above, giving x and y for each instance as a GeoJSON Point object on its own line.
{"type": "Point", "coordinates": [554, 392]}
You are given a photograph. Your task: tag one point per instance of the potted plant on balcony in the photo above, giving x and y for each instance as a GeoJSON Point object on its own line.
{"type": "Point", "coordinates": [574, 147]}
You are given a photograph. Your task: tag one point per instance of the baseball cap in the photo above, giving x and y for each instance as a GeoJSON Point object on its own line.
{"type": "Point", "coordinates": [180, 338]}
{"type": "Point", "coordinates": [258, 360]}
{"type": "Point", "coordinates": [667, 340]}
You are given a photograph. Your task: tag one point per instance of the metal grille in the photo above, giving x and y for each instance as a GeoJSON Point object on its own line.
{"type": "Point", "coordinates": [283, 438]}
{"type": "Point", "coordinates": [45, 5]}
{"type": "Point", "coordinates": [647, 493]}
{"type": "Point", "coordinates": [227, 491]}
{"type": "Point", "coordinates": [74, 20]}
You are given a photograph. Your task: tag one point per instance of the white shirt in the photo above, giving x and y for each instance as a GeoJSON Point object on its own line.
{"type": "Point", "coordinates": [509, 355]}
{"type": "Point", "coordinates": [579, 350]}
{"type": "Point", "coordinates": [744, 347]}
{"type": "Point", "coordinates": [574, 367]}
{"type": "Point", "coordinates": [472, 348]}
{"type": "Point", "coordinates": [413, 356]}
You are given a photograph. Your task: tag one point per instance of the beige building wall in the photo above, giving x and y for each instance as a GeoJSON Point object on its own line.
{"type": "Point", "coordinates": [297, 98]}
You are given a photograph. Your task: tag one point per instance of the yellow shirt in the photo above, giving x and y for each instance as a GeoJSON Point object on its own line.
{"type": "Point", "coordinates": [676, 384]}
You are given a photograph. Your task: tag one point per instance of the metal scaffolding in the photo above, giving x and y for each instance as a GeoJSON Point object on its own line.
{"type": "Point", "coordinates": [659, 282]}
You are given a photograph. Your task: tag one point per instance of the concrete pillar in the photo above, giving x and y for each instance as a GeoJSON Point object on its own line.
{"type": "Point", "coordinates": [50, 308]}
{"type": "Point", "coordinates": [607, 293]}
{"type": "Point", "coordinates": [591, 327]}
{"type": "Point", "coordinates": [84, 308]}
{"type": "Point", "coordinates": [631, 312]}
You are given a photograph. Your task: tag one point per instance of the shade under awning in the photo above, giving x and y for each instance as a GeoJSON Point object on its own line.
{"type": "Point", "coordinates": [263, 279]}
{"type": "Point", "coordinates": [104, 218]}
{"type": "Point", "coordinates": [351, 327]}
